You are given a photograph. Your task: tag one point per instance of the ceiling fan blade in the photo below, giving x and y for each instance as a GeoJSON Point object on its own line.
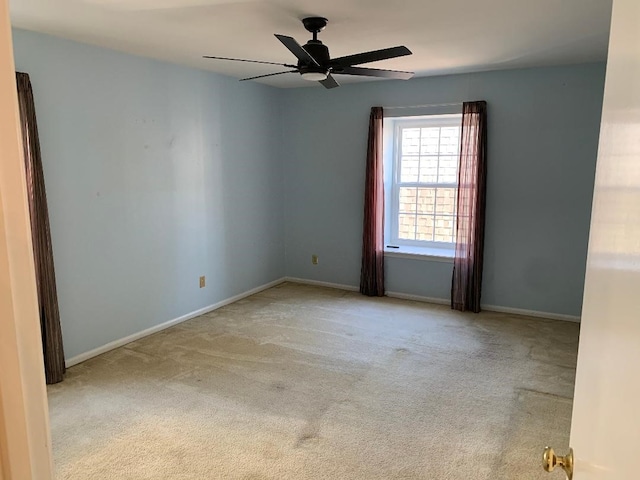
{"type": "Point", "coordinates": [268, 75]}
{"type": "Point", "coordinates": [250, 61]}
{"type": "Point", "coordinates": [372, 56]}
{"type": "Point", "coordinates": [329, 82]}
{"type": "Point", "coordinates": [295, 48]}
{"type": "Point", "coordinates": [373, 72]}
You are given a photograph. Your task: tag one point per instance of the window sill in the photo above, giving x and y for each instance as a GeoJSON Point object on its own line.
{"type": "Point", "coordinates": [421, 253]}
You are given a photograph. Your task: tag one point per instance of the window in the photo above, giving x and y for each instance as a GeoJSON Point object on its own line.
{"type": "Point", "coordinates": [421, 183]}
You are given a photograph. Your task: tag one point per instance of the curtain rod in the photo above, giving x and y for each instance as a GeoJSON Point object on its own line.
{"type": "Point", "coordinates": [425, 106]}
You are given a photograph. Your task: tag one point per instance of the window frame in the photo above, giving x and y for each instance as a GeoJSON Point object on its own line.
{"type": "Point", "coordinates": [416, 247]}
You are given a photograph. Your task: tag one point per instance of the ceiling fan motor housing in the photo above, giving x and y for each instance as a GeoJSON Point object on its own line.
{"type": "Point", "coordinates": [320, 53]}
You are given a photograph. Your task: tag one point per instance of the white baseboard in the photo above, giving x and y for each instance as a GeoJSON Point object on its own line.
{"type": "Point", "coordinates": [532, 313]}
{"type": "Point", "coordinates": [318, 283]}
{"type": "Point", "coordinates": [157, 328]}
{"type": "Point", "coordinates": [419, 298]}
{"type": "Point", "coordinates": [491, 308]}
{"type": "Point", "coordinates": [443, 301]}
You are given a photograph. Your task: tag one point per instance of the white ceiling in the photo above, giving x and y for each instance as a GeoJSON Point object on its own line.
{"type": "Point", "coordinates": [446, 36]}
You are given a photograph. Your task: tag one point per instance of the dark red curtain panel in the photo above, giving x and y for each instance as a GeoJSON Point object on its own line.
{"type": "Point", "coordinates": [41, 235]}
{"type": "Point", "coordinates": [372, 272]}
{"type": "Point", "coordinates": [466, 286]}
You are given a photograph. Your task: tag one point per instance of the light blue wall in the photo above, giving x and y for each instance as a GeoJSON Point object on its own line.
{"type": "Point", "coordinates": [543, 136]}
{"type": "Point", "coordinates": [155, 174]}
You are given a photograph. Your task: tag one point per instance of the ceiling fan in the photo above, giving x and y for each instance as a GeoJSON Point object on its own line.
{"type": "Point", "coordinates": [315, 64]}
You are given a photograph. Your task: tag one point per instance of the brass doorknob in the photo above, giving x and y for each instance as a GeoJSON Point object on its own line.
{"type": "Point", "coordinates": [550, 461]}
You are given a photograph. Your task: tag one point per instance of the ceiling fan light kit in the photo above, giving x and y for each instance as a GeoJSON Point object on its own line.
{"type": "Point", "coordinates": [315, 63]}
{"type": "Point", "coordinates": [314, 76]}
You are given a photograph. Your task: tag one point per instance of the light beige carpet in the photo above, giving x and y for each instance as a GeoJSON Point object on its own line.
{"type": "Point", "coordinates": [302, 382]}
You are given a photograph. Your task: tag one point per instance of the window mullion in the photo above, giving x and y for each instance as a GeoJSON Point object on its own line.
{"type": "Point", "coordinates": [397, 171]}
{"type": "Point", "coordinates": [427, 185]}
{"type": "Point", "coordinates": [435, 188]}
{"type": "Point", "coordinates": [415, 226]}
{"type": "Point", "coordinates": [438, 155]}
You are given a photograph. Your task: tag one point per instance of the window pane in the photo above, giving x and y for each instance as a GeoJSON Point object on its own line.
{"type": "Point", "coordinates": [449, 140]}
{"type": "Point", "coordinates": [426, 200]}
{"type": "Point", "coordinates": [429, 141]}
{"type": "Point", "coordinates": [446, 201]}
{"type": "Point", "coordinates": [409, 169]}
{"type": "Point", "coordinates": [425, 228]}
{"type": "Point", "coordinates": [410, 141]}
{"type": "Point", "coordinates": [406, 226]}
{"type": "Point", "coordinates": [407, 202]}
{"type": "Point", "coordinates": [443, 228]}
{"type": "Point", "coordinates": [427, 156]}
{"type": "Point", "coordinates": [429, 169]}
{"type": "Point", "coordinates": [448, 171]}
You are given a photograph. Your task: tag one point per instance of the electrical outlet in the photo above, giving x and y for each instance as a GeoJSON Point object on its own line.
{"type": "Point", "coordinates": [202, 281]}
{"type": "Point", "coordinates": [314, 259]}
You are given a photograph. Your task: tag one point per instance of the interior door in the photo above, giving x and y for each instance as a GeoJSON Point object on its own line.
{"type": "Point", "coordinates": [605, 430]}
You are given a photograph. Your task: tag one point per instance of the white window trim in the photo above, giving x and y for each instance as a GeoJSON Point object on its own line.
{"type": "Point", "coordinates": [420, 253]}
{"type": "Point", "coordinates": [418, 249]}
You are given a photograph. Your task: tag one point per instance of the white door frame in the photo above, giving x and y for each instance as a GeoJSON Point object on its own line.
{"type": "Point", "coordinates": [25, 440]}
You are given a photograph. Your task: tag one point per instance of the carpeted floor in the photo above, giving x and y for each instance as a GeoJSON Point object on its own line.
{"type": "Point", "coordinates": [302, 382]}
